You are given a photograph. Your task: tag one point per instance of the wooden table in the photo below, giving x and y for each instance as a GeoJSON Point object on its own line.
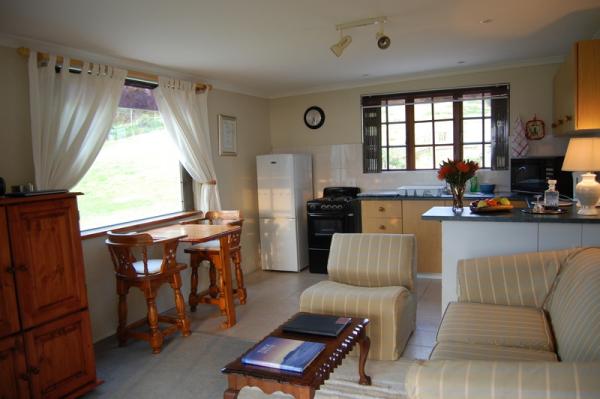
{"type": "Point", "coordinates": [197, 233]}
{"type": "Point", "coordinates": [302, 385]}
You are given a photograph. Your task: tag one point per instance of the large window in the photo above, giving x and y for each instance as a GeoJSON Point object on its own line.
{"type": "Point", "coordinates": [137, 174]}
{"type": "Point", "coordinates": [417, 131]}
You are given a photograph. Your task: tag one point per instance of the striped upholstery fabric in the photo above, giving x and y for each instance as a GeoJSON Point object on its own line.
{"type": "Point", "coordinates": [373, 260]}
{"type": "Point", "coordinates": [462, 351]}
{"type": "Point", "coordinates": [477, 323]}
{"type": "Point", "coordinates": [520, 279]}
{"type": "Point", "coordinates": [496, 379]}
{"type": "Point", "coordinates": [391, 311]}
{"type": "Point", "coordinates": [575, 308]}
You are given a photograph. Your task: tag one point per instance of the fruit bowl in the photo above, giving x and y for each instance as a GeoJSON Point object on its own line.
{"type": "Point", "coordinates": [491, 205]}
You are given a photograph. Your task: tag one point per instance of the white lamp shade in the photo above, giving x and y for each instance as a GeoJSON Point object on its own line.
{"type": "Point", "coordinates": [583, 155]}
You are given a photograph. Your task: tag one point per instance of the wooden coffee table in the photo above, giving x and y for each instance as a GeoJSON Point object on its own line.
{"type": "Point", "coordinates": [302, 385]}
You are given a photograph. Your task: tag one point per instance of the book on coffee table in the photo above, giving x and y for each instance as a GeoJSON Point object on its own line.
{"type": "Point", "coordinates": [283, 354]}
{"type": "Point", "coordinates": [304, 323]}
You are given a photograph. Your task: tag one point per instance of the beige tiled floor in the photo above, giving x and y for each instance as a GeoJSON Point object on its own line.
{"type": "Point", "coordinates": [274, 296]}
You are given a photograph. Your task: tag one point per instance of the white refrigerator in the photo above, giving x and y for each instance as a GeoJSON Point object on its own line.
{"type": "Point", "coordinates": [284, 186]}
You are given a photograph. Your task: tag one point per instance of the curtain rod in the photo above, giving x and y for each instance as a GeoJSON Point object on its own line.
{"type": "Point", "coordinates": [134, 75]}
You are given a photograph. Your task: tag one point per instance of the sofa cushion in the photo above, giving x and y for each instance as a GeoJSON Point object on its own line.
{"type": "Point", "coordinates": [373, 260]}
{"type": "Point", "coordinates": [462, 351]}
{"type": "Point", "coordinates": [575, 307]}
{"type": "Point", "coordinates": [391, 311]}
{"type": "Point", "coordinates": [477, 323]}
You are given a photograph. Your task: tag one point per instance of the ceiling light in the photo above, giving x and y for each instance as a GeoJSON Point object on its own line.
{"type": "Point", "coordinates": [383, 42]}
{"type": "Point", "coordinates": [486, 21]}
{"type": "Point", "coordinates": [341, 45]}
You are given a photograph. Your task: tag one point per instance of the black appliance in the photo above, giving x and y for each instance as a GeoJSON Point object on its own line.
{"type": "Point", "coordinates": [336, 212]}
{"type": "Point", "coordinates": [530, 175]}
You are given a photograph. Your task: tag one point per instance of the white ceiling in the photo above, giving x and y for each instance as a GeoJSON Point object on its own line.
{"type": "Point", "coordinates": [274, 48]}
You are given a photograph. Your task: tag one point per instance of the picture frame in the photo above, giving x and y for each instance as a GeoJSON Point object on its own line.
{"type": "Point", "coordinates": [535, 129]}
{"type": "Point", "coordinates": [227, 135]}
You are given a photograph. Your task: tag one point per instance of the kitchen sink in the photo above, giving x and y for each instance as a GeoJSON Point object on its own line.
{"type": "Point", "coordinates": [422, 191]}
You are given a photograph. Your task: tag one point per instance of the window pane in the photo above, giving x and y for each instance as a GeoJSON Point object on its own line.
{"type": "Point", "coordinates": [443, 110]}
{"type": "Point", "coordinates": [383, 135]}
{"type": "Point", "coordinates": [423, 133]}
{"type": "Point", "coordinates": [424, 158]}
{"type": "Point", "coordinates": [136, 174]}
{"type": "Point", "coordinates": [487, 106]}
{"type": "Point", "coordinates": [397, 158]}
{"type": "Point", "coordinates": [383, 114]}
{"type": "Point", "coordinates": [487, 124]}
{"type": "Point", "coordinates": [384, 160]}
{"type": "Point", "coordinates": [472, 108]}
{"type": "Point", "coordinates": [397, 134]}
{"type": "Point", "coordinates": [472, 131]}
{"type": "Point", "coordinates": [442, 153]}
{"type": "Point", "coordinates": [396, 113]}
{"type": "Point", "coordinates": [473, 152]}
{"type": "Point", "coordinates": [423, 109]}
{"type": "Point", "coordinates": [444, 132]}
{"type": "Point", "coordinates": [488, 156]}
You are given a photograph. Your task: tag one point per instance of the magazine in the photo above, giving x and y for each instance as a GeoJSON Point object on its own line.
{"type": "Point", "coordinates": [283, 354]}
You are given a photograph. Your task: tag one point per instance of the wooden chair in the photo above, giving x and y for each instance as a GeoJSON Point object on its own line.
{"type": "Point", "coordinates": [210, 251]}
{"type": "Point", "coordinates": [147, 275]}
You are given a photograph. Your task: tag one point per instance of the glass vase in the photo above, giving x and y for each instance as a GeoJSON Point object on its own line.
{"type": "Point", "coordinates": [458, 192]}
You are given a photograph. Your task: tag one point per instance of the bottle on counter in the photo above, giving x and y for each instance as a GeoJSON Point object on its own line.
{"type": "Point", "coordinates": [474, 184]}
{"type": "Point", "coordinates": [551, 196]}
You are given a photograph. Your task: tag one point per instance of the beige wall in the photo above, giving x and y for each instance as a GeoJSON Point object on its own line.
{"type": "Point", "coordinates": [16, 162]}
{"type": "Point", "coordinates": [236, 177]}
{"type": "Point", "coordinates": [530, 93]}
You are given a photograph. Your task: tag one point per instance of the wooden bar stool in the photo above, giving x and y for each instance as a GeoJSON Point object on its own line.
{"type": "Point", "coordinates": [147, 275]}
{"type": "Point", "coordinates": [211, 252]}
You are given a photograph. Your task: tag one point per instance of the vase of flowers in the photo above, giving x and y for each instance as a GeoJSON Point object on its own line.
{"type": "Point", "coordinates": [456, 174]}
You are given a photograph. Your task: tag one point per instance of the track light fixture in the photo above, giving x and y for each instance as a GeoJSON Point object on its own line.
{"type": "Point", "coordinates": [383, 41]}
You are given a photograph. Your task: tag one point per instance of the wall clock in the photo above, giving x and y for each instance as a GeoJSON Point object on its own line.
{"type": "Point", "coordinates": [314, 117]}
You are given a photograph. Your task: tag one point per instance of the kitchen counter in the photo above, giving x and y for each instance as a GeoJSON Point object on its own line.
{"type": "Point", "coordinates": [514, 215]}
{"type": "Point", "coordinates": [396, 195]}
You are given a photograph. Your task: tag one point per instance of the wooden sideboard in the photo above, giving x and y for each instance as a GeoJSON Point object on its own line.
{"type": "Point", "coordinates": [45, 335]}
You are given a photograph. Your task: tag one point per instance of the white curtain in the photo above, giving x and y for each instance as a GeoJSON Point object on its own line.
{"type": "Point", "coordinates": [71, 115]}
{"type": "Point", "coordinates": [185, 114]}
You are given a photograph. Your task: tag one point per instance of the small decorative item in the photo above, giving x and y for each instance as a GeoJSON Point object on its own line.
{"type": "Point", "coordinates": [535, 129]}
{"type": "Point", "coordinates": [314, 117]}
{"type": "Point", "coordinates": [227, 135]}
{"type": "Point", "coordinates": [456, 174]}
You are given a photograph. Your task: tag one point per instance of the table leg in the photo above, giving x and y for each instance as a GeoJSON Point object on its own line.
{"type": "Point", "coordinates": [227, 284]}
{"type": "Point", "coordinates": [230, 394]}
{"type": "Point", "coordinates": [365, 345]}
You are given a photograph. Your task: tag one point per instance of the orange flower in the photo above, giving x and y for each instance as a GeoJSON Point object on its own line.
{"type": "Point", "coordinates": [462, 167]}
{"type": "Point", "coordinates": [443, 172]}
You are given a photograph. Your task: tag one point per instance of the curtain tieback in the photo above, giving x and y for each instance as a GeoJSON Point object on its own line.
{"type": "Point", "coordinates": [211, 182]}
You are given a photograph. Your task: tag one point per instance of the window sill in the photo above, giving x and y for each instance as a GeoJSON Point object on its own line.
{"type": "Point", "coordinates": [138, 224]}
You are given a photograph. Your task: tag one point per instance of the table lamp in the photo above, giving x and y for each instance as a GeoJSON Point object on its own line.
{"type": "Point", "coordinates": [583, 155]}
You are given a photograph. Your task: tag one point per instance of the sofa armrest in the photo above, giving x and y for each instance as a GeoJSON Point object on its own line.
{"type": "Point", "coordinates": [520, 279]}
{"type": "Point", "coordinates": [492, 379]}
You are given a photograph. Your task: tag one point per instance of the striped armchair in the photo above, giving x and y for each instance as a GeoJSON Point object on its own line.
{"type": "Point", "coordinates": [525, 326]}
{"type": "Point", "coordinates": [373, 276]}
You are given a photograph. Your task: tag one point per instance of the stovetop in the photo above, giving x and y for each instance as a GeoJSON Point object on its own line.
{"type": "Point", "coordinates": [334, 199]}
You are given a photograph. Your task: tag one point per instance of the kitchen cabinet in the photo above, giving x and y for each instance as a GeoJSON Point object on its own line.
{"type": "Point", "coordinates": [48, 353]}
{"type": "Point", "coordinates": [427, 233]}
{"type": "Point", "coordinates": [381, 216]}
{"type": "Point", "coordinates": [577, 90]}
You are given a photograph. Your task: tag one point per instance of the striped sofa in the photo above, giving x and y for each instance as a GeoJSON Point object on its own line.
{"type": "Point", "coordinates": [373, 276]}
{"type": "Point", "coordinates": [524, 326]}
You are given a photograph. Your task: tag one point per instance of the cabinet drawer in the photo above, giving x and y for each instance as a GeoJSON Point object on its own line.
{"type": "Point", "coordinates": [382, 225]}
{"type": "Point", "coordinates": [381, 209]}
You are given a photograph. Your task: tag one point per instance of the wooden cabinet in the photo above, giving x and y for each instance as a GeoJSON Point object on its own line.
{"type": "Point", "coordinates": [427, 233]}
{"type": "Point", "coordinates": [381, 216]}
{"type": "Point", "coordinates": [42, 284]}
{"type": "Point", "coordinates": [577, 90]}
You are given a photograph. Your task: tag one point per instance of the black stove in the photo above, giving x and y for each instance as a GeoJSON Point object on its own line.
{"type": "Point", "coordinates": [336, 212]}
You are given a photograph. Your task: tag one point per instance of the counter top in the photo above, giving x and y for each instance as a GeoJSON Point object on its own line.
{"type": "Point", "coordinates": [395, 195]}
{"type": "Point", "coordinates": [444, 213]}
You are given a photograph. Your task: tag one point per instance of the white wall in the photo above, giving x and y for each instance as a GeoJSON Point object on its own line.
{"type": "Point", "coordinates": [336, 147]}
{"type": "Point", "coordinates": [236, 177]}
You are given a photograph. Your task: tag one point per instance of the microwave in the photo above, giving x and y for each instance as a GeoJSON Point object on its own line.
{"type": "Point", "coordinates": [530, 175]}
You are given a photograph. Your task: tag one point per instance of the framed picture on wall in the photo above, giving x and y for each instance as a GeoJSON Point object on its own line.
{"type": "Point", "coordinates": [227, 135]}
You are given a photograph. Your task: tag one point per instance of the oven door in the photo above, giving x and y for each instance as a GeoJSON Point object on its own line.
{"type": "Point", "coordinates": [322, 227]}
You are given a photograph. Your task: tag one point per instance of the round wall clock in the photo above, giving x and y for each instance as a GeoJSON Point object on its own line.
{"type": "Point", "coordinates": [314, 117]}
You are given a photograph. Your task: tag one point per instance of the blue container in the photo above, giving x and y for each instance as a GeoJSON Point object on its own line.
{"type": "Point", "coordinates": [487, 188]}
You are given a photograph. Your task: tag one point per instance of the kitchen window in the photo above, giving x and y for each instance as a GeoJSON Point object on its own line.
{"type": "Point", "coordinates": [137, 174]}
{"type": "Point", "coordinates": [417, 131]}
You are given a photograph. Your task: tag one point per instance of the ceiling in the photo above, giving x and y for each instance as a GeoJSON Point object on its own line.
{"type": "Point", "coordinates": [274, 48]}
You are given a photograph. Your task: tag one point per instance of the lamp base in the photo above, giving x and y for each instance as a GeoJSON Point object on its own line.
{"type": "Point", "coordinates": [587, 192]}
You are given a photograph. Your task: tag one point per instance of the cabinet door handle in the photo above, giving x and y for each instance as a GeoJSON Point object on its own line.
{"type": "Point", "coordinates": [382, 227]}
{"type": "Point", "coordinates": [560, 122]}
{"type": "Point", "coordinates": [568, 117]}
{"type": "Point", "coordinates": [24, 376]}
{"type": "Point", "coordinates": [381, 209]}
{"type": "Point", "coordinates": [33, 370]}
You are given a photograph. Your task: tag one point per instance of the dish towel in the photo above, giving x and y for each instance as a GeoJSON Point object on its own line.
{"type": "Point", "coordinates": [519, 146]}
